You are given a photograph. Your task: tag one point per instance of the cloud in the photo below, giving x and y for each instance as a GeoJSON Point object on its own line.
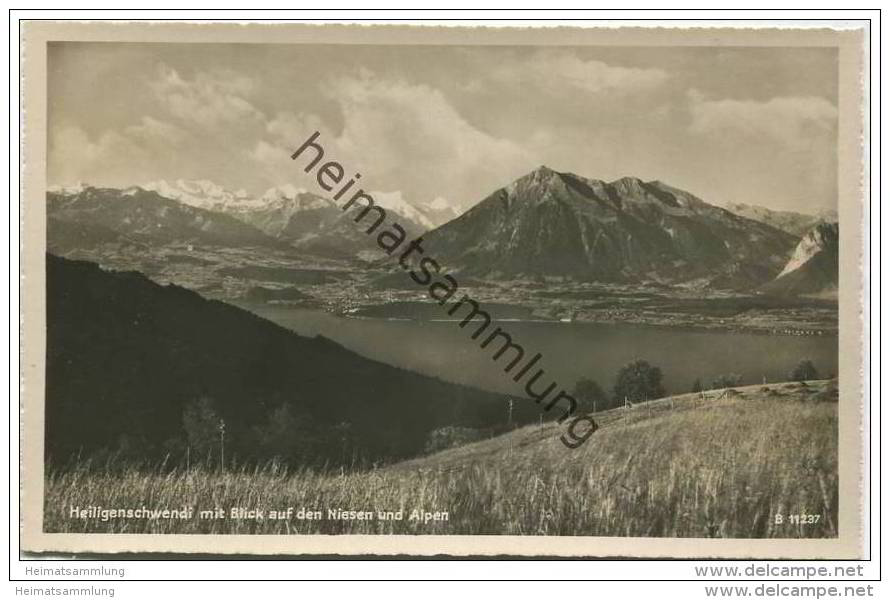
{"type": "Point", "coordinates": [210, 99]}
{"type": "Point", "coordinates": [280, 137]}
{"type": "Point", "coordinates": [556, 70]}
{"type": "Point", "coordinates": [292, 126]}
{"type": "Point", "coordinates": [75, 156]}
{"type": "Point", "coordinates": [152, 131]}
{"type": "Point", "coordinates": [400, 119]}
{"type": "Point", "coordinates": [451, 121]}
{"type": "Point", "coordinates": [202, 118]}
{"type": "Point", "coordinates": [399, 135]}
{"type": "Point", "coordinates": [783, 149]}
{"type": "Point", "coordinates": [795, 122]}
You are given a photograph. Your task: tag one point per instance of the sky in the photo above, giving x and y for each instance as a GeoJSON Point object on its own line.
{"type": "Point", "coordinates": [728, 124]}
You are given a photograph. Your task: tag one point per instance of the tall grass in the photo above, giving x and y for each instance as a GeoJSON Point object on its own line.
{"type": "Point", "coordinates": [684, 467]}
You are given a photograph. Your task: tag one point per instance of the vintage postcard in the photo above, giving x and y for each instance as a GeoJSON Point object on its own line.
{"type": "Point", "coordinates": [474, 291]}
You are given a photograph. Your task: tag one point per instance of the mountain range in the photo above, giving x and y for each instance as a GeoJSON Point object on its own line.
{"type": "Point", "coordinates": [137, 215]}
{"type": "Point", "coordinates": [549, 224]}
{"type": "Point", "coordinates": [196, 211]}
{"type": "Point", "coordinates": [546, 225]}
{"type": "Point", "coordinates": [287, 199]}
{"type": "Point", "coordinates": [795, 223]}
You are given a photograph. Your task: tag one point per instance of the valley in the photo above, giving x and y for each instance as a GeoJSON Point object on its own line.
{"type": "Point", "coordinates": [353, 288]}
{"type": "Point", "coordinates": [549, 246]}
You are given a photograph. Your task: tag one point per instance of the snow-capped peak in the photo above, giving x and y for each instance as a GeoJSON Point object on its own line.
{"type": "Point", "coordinates": [202, 194]}
{"type": "Point", "coordinates": [285, 197]}
{"type": "Point", "coordinates": [292, 199]}
{"type": "Point", "coordinates": [284, 191]}
{"type": "Point", "coordinates": [440, 203]}
{"type": "Point", "coordinates": [393, 201]}
{"type": "Point", "coordinates": [440, 210]}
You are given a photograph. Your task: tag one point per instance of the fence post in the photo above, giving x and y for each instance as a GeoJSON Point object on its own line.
{"type": "Point", "coordinates": [222, 445]}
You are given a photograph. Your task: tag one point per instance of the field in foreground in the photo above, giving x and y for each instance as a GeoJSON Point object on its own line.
{"type": "Point", "coordinates": [723, 465]}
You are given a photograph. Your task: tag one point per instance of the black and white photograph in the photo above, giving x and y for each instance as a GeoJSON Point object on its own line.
{"type": "Point", "coordinates": [566, 288]}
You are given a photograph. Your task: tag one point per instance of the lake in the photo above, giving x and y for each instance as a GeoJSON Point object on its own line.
{"type": "Point", "coordinates": [570, 350]}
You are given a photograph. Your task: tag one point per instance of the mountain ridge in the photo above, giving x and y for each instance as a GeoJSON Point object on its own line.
{"type": "Point", "coordinates": [795, 223]}
{"type": "Point", "coordinates": [148, 217]}
{"type": "Point", "coordinates": [110, 333]}
{"type": "Point", "coordinates": [813, 267]}
{"type": "Point", "coordinates": [556, 224]}
{"type": "Point", "coordinates": [287, 214]}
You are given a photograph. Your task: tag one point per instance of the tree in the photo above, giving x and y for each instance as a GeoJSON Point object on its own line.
{"type": "Point", "coordinates": [590, 396]}
{"type": "Point", "coordinates": [805, 370]}
{"type": "Point", "coordinates": [343, 434]}
{"type": "Point", "coordinates": [638, 381]}
{"type": "Point", "coordinates": [727, 381]}
{"type": "Point", "coordinates": [285, 434]}
{"type": "Point", "coordinates": [200, 421]}
{"type": "Point", "coordinates": [697, 386]}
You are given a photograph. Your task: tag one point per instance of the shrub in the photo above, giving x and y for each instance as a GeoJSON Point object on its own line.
{"type": "Point", "coordinates": [201, 422]}
{"type": "Point", "coordinates": [638, 381]}
{"type": "Point", "coordinates": [727, 381]}
{"type": "Point", "coordinates": [286, 435]}
{"type": "Point", "coordinates": [805, 370]}
{"type": "Point", "coordinates": [590, 396]}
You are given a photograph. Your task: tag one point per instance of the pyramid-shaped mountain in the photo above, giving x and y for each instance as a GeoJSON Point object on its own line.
{"type": "Point", "coordinates": [548, 224]}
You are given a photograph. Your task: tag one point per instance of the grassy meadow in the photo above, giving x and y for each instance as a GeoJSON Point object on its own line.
{"type": "Point", "coordinates": [722, 465]}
